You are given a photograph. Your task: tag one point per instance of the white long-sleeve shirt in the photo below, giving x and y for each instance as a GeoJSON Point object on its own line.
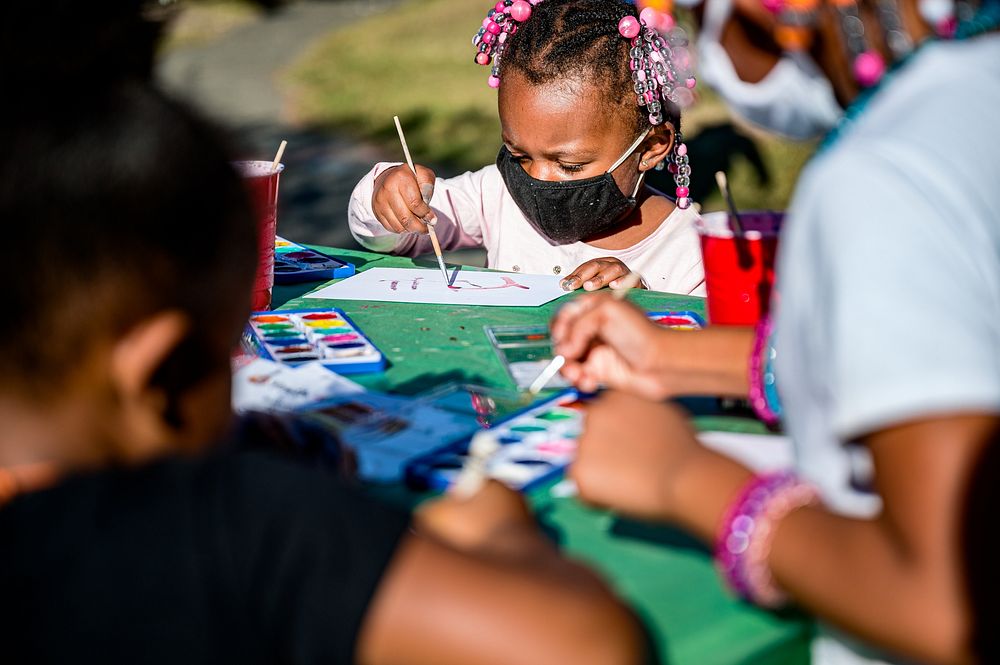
{"type": "Point", "coordinates": [476, 210]}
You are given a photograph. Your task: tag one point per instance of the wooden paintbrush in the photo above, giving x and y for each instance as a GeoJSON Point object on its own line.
{"type": "Point", "coordinates": [430, 226]}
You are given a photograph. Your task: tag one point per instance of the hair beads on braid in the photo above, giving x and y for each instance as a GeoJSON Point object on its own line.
{"type": "Point", "coordinates": [601, 41]}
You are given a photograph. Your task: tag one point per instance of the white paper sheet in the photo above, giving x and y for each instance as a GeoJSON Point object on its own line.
{"type": "Point", "coordinates": [464, 287]}
{"type": "Point", "coordinates": [263, 385]}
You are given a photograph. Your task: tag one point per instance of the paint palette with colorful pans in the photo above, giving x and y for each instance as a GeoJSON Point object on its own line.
{"type": "Point", "coordinates": [535, 446]}
{"type": "Point", "coordinates": [294, 263]}
{"type": "Point", "coordinates": [307, 335]}
{"type": "Point", "coordinates": [524, 352]}
{"type": "Point", "coordinates": [677, 320]}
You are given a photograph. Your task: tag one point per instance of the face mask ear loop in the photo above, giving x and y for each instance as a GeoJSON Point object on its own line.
{"type": "Point", "coordinates": [638, 183]}
{"type": "Point", "coordinates": [631, 149]}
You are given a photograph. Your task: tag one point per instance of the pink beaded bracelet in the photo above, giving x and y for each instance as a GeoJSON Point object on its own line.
{"type": "Point", "coordinates": [744, 540]}
{"type": "Point", "coordinates": [760, 374]}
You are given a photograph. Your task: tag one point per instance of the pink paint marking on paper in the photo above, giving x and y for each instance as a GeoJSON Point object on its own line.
{"type": "Point", "coordinates": [508, 283]}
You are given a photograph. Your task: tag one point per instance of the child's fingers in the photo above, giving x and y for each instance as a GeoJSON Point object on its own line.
{"type": "Point", "coordinates": [581, 275]}
{"type": "Point", "coordinates": [580, 333]}
{"type": "Point", "coordinates": [425, 181]}
{"type": "Point", "coordinates": [608, 272]}
{"type": "Point", "coordinates": [407, 220]}
{"type": "Point", "coordinates": [412, 190]}
{"type": "Point", "coordinates": [567, 315]}
{"type": "Point", "coordinates": [616, 283]}
{"type": "Point", "coordinates": [387, 218]}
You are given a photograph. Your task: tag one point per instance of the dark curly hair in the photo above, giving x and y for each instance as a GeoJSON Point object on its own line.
{"type": "Point", "coordinates": [579, 40]}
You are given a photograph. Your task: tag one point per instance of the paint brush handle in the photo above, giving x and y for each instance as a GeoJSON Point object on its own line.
{"type": "Point", "coordinates": [735, 223]}
{"type": "Point", "coordinates": [278, 156]}
{"type": "Point", "coordinates": [629, 282]}
{"type": "Point", "coordinates": [474, 473]}
{"type": "Point", "coordinates": [734, 215]}
{"type": "Point", "coordinates": [430, 227]}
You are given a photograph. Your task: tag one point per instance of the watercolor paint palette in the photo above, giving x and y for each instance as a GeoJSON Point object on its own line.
{"type": "Point", "coordinates": [678, 320]}
{"type": "Point", "coordinates": [526, 350]}
{"type": "Point", "coordinates": [387, 432]}
{"type": "Point", "coordinates": [294, 337]}
{"type": "Point", "coordinates": [294, 263]}
{"type": "Point", "coordinates": [535, 446]}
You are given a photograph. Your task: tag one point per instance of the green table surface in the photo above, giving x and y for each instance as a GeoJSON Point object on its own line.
{"type": "Point", "coordinates": [668, 577]}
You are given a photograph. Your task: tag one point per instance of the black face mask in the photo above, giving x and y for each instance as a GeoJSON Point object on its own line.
{"type": "Point", "coordinates": [567, 211]}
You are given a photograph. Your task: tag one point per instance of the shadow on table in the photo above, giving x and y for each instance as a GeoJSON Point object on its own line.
{"type": "Point", "coordinates": [358, 262]}
{"type": "Point", "coordinates": [672, 537]}
{"type": "Point", "coordinates": [428, 381]}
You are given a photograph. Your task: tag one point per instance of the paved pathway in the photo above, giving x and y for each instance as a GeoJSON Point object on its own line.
{"type": "Point", "coordinates": [236, 80]}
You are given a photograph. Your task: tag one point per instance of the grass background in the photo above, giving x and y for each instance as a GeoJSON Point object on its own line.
{"type": "Point", "coordinates": [415, 61]}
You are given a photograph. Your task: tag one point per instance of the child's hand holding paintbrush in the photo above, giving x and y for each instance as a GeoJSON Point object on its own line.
{"type": "Point", "coordinates": [401, 200]}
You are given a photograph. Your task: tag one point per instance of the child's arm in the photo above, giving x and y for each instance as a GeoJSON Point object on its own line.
{"type": "Point", "coordinates": [480, 584]}
{"type": "Point", "coordinates": [389, 210]}
{"type": "Point", "coordinates": [895, 580]}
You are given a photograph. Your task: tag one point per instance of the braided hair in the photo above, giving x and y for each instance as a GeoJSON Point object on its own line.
{"type": "Point", "coordinates": [580, 40]}
{"type": "Point", "coordinates": [642, 74]}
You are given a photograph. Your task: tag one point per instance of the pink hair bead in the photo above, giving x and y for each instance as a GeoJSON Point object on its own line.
{"type": "Point", "coordinates": [502, 37]}
{"type": "Point", "coordinates": [499, 6]}
{"type": "Point", "coordinates": [535, 2]}
{"type": "Point", "coordinates": [641, 75]}
{"type": "Point", "coordinates": [683, 202]}
{"type": "Point", "coordinates": [667, 23]}
{"type": "Point", "coordinates": [487, 21]}
{"type": "Point", "coordinates": [493, 28]}
{"type": "Point", "coordinates": [682, 150]}
{"type": "Point", "coordinates": [489, 37]}
{"type": "Point", "coordinates": [520, 11]}
{"type": "Point", "coordinates": [682, 192]}
{"type": "Point", "coordinates": [869, 68]}
{"type": "Point", "coordinates": [482, 58]}
{"type": "Point", "coordinates": [650, 17]}
{"type": "Point", "coordinates": [691, 83]}
{"type": "Point", "coordinates": [650, 97]}
{"type": "Point", "coordinates": [493, 81]}
{"type": "Point", "coordinates": [629, 27]}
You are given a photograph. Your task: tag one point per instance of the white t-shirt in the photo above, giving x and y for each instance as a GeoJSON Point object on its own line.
{"type": "Point", "coordinates": [476, 210]}
{"type": "Point", "coordinates": [889, 305]}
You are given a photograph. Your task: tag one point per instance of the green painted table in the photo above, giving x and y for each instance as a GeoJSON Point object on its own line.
{"type": "Point", "coordinates": [667, 576]}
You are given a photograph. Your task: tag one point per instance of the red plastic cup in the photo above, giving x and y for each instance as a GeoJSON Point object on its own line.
{"type": "Point", "coordinates": [739, 272]}
{"type": "Point", "coordinates": [262, 188]}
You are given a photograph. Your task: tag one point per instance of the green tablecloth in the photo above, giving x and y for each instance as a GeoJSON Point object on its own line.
{"type": "Point", "coordinates": [668, 577]}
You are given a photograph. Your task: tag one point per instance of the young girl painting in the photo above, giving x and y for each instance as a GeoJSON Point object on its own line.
{"type": "Point", "coordinates": [589, 101]}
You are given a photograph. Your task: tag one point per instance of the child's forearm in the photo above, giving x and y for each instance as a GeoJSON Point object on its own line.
{"type": "Point", "coordinates": [895, 580]}
{"type": "Point", "coordinates": [454, 204]}
{"type": "Point", "coordinates": [714, 361]}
